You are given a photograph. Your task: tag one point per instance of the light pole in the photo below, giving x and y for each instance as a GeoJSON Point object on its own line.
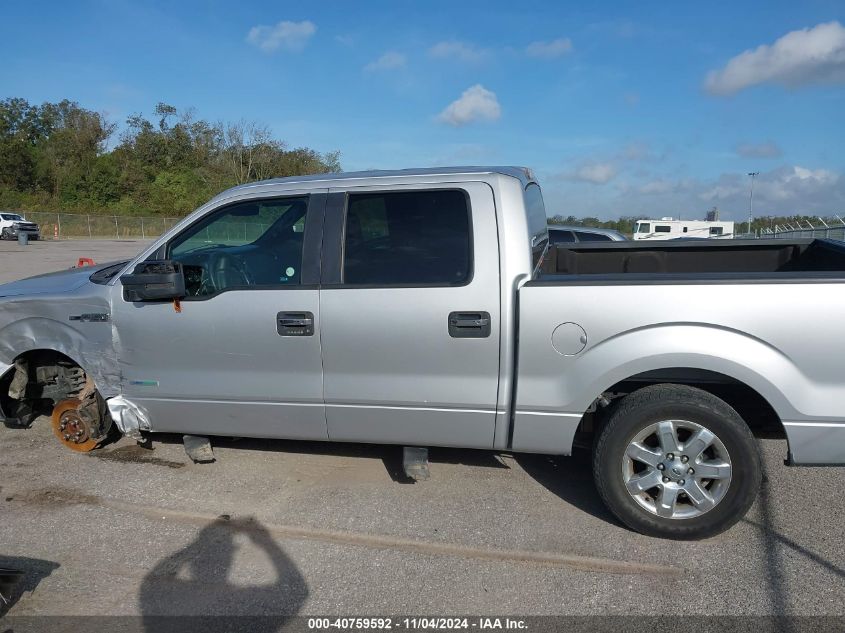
{"type": "Point", "coordinates": [751, 199]}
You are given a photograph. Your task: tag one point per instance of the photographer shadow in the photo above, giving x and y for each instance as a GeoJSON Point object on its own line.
{"type": "Point", "coordinates": [200, 589]}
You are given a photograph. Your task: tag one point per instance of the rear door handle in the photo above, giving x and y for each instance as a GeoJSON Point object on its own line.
{"type": "Point", "coordinates": [295, 323]}
{"type": "Point", "coordinates": [469, 324]}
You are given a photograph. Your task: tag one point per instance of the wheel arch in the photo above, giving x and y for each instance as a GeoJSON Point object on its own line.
{"type": "Point", "coordinates": [38, 357]}
{"type": "Point", "coordinates": [752, 406]}
{"type": "Point", "coordinates": [94, 354]}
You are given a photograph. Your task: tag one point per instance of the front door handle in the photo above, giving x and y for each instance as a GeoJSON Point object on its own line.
{"type": "Point", "coordinates": [289, 322]}
{"type": "Point", "coordinates": [459, 322]}
{"type": "Point", "coordinates": [295, 323]}
{"type": "Point", "coordinates": [469, 324]}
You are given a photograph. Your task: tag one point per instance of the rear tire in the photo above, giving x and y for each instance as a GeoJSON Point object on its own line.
{"type": "Point", "coordinates": [654, 437]}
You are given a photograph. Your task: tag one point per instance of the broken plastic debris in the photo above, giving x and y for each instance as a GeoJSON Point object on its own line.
{"type": "Point", "coordinates": [130, 418]}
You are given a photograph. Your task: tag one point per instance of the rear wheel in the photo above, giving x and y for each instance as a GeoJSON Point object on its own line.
{"type": "Point", "coordinates": [676, 462]}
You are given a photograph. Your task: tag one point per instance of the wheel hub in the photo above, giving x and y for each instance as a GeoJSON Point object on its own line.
{"type": "Point", "coordinates": [676, 469]}
{"type": "Point", "coordinates": [71, 427]}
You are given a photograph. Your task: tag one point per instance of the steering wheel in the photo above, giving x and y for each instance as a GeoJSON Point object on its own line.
{"type": "Point", "coordinates": [229, 270]}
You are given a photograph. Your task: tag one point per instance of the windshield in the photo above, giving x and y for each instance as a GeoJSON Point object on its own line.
{"type": "Point", "coordinates": [11, 216]}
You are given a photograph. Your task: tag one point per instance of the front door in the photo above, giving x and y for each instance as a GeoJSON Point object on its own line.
{"type": "Point", "coordinates": [410, 315]}
{"type": "Point", "coordinates": [240, 355]}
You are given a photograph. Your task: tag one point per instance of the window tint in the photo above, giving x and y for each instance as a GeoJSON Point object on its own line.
{"type": "Point", "coordinates": [584, 236]}
{"type": "Point", "coordinates": [249, 244]}
{"type": "Point", "coordinates": [557, 236]}
{"type": "Point", "coordinates": [415, 237]}
{"type": "Point", "coordinates": [716, 230]}
{"type": "Point", "coordinates": [663, 229]}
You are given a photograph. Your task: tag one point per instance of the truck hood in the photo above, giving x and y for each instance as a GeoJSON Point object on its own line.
{"type": "Point", "coordinates": [51, 283]}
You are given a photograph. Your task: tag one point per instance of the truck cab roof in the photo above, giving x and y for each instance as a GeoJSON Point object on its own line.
{"type": "Point", "coordinates": [364, 178]}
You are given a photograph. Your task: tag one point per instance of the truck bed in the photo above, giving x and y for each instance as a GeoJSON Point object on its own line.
{"type": "Point", "coordinates": [709, 259]}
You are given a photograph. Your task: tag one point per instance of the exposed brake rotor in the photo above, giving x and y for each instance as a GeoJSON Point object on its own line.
{"type": "Point", "coordinates": [71, 427]}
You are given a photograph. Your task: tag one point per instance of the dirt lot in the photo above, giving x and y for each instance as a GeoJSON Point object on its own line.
{"type": "Point", "coordinates": [310, 528]}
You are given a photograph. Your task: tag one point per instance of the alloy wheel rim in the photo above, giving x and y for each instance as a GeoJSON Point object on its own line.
{"type": "Point", "coordinates": [676, 469]}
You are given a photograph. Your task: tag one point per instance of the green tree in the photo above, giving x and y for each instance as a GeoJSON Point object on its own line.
{"type": "Point", "coordinates": [57, 155]}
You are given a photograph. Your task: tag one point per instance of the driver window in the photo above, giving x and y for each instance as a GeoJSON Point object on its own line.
{"type": "Point", "coordinates": [250, 244]}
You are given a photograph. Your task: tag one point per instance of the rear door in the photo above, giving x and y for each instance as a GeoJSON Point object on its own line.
{"type": "Point", "coordinates": [410, 314]}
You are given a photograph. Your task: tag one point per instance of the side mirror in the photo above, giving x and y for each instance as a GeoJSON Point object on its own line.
{"type": "Point", "coordinates": [161, 280]}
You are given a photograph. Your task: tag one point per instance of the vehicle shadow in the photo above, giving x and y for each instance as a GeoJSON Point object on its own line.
{"type": "Point", "coordinates": [19, 575]}
{"type": "Point", "coordinates": [390, 455]}
{"type": "Point", "coordinates": [200, 589]}
{"type": "Point", "coordinates": [570, 479]}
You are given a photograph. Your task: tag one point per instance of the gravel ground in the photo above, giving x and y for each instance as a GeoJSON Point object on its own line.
{"type": "Point", "coordinates": [313, 528]}
{"type": "Point", "coordinates": [43, 256]}
{"type": "Point", "coordinates": [283, 527]}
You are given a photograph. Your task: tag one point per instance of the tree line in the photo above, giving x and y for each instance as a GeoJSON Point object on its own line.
{"type": "Point", "coordinates": [60, 156]}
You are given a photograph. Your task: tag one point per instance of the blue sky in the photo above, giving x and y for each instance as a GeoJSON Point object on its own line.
{"type": "Point", "coordinates": [622, 108]}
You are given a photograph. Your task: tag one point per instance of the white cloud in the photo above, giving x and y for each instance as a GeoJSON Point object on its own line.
{"type": "Point", "coordinates": [461, 51]}
{"type": "Point", "coordinates": [783, 191]}
{"type": "Point", "coordinates": [594, 173]}
{"type": "Point", "coordinates": [549, 50]}
{"type": "Point", "coordinates": [807, 56]}
{"type": "Point", "coordinates": [475, 104]}
{"type": "Point", "coordinates": [289, 36]}
{"type": "Point", "coordinates": [822, 176]}
{"type": "Point", "coordinates": [769, 149]}
{"type": "Point", "coordinates": [794, 185]}
{"type": "Point", "coordinates": [391, 60]}
{"type": "Point", "coordinates": [658, 186]}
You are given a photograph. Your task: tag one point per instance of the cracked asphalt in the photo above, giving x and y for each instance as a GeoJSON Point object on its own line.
{"type": "Point", "coordinates": [285, 527]}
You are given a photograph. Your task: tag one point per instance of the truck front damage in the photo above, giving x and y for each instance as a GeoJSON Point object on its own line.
{"type": "Point", "coordinates": [58, 356]}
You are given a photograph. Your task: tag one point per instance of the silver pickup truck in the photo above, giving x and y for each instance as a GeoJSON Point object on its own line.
{"type": "Point", "coordinates": [426, 308]}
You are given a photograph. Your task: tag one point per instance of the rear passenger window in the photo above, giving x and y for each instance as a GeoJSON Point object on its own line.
{"type": "Point", "coordinates": [407, 238]}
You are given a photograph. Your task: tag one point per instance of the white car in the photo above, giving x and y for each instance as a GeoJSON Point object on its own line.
{"type": "Point", "coordinates": [13, 223]}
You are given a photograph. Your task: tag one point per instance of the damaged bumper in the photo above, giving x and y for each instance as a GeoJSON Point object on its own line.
{"type": "Point", "coordinates": [4, 368]}
{"type": "Point", "coordinates": [129, 417]}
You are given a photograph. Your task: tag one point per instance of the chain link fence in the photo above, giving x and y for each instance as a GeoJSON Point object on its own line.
{"type": "Point", "coordinates": [57, 225]}
{"type": "Point", "coordinates": [829, 232]}
{"type": "Point", "coordinates": [78, 225]}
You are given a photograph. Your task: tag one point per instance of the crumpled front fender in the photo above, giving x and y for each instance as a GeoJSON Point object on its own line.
{"type": "Point", "coordinates": [91, 349]}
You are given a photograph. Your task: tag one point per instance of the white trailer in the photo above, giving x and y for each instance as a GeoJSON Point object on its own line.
{"type": "Point", "coordinates": [671, 229]}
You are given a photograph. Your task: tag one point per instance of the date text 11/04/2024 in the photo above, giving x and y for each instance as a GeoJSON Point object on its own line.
{"type": "Point", "coordinates": [416, 623]}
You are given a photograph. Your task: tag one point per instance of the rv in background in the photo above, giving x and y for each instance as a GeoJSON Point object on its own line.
{"type": "Point", "coordinates": [669, 229]}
